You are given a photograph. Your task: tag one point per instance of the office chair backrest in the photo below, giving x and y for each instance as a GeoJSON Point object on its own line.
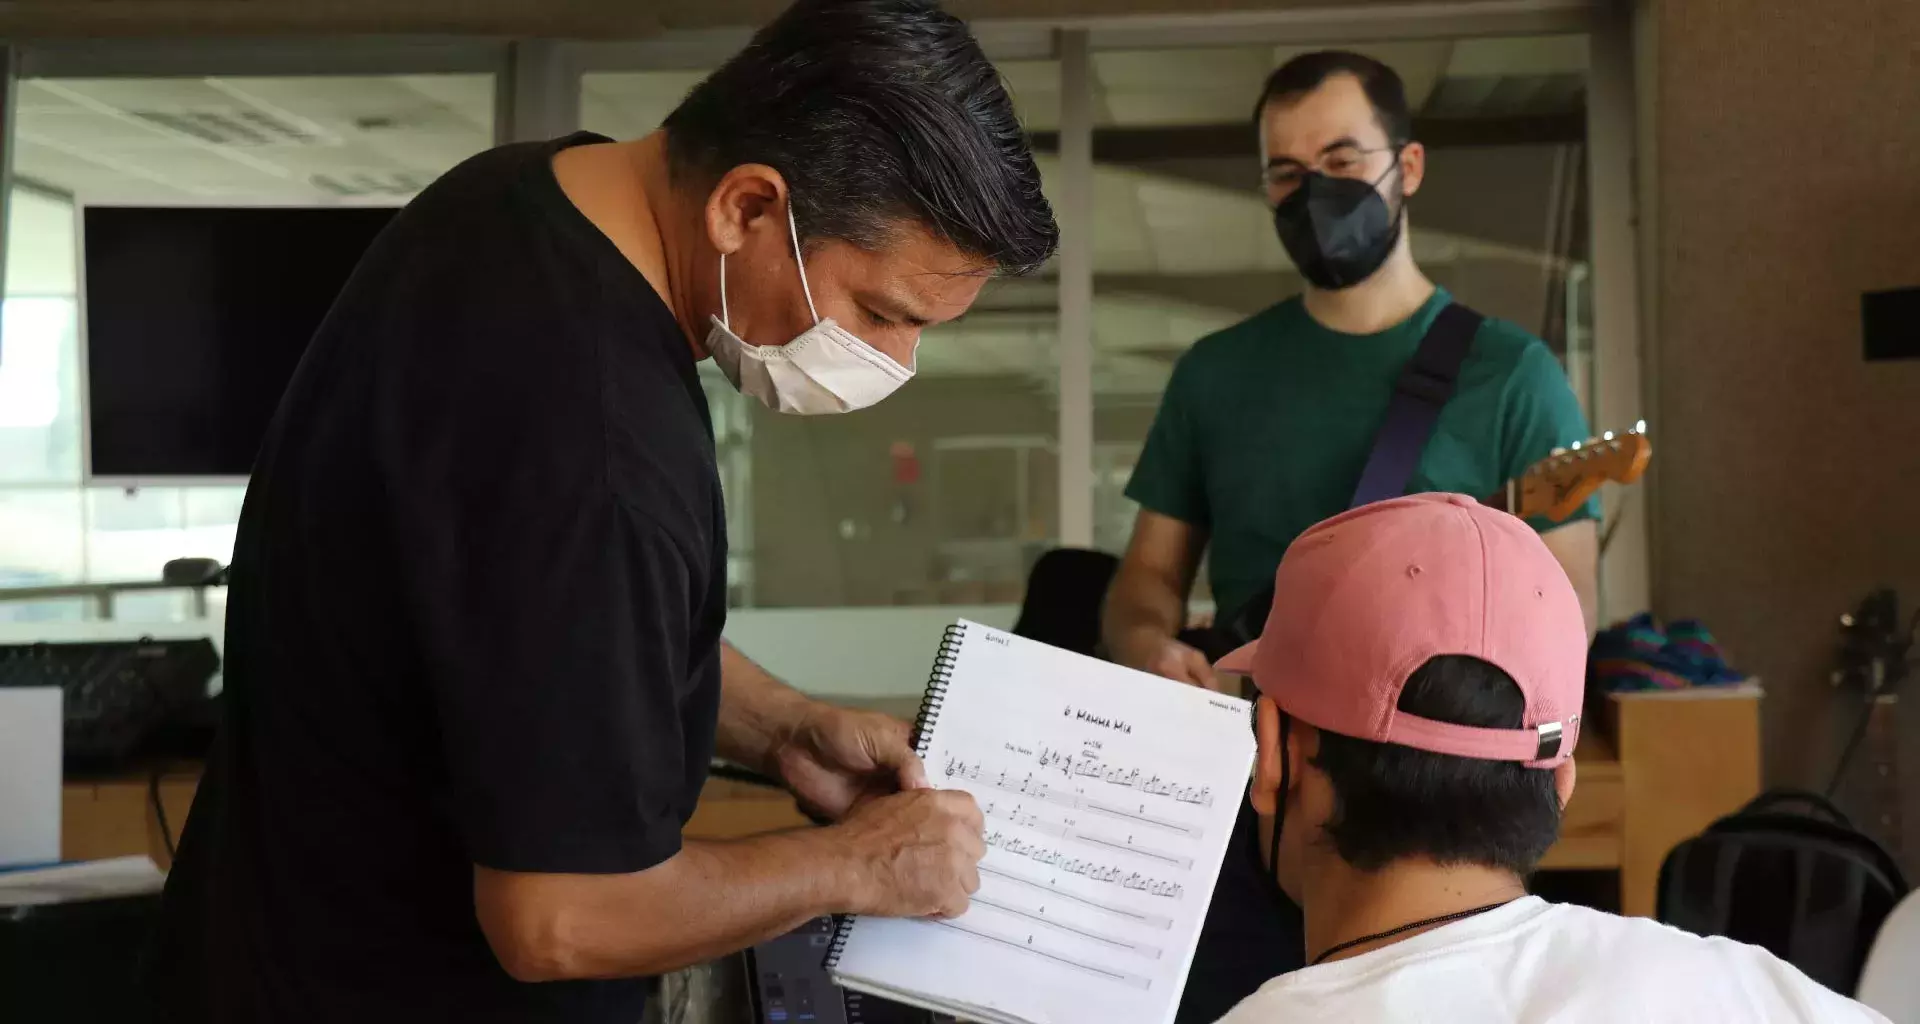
{"type": "Point", "coordinates": [1064, 594]}
{"type": "Point", "coordinates": [1890, 984]}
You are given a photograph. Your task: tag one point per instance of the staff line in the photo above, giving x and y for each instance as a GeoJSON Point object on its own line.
{"type": "Point", "coordinates": [1150, 952]}
{"type": "Point", "coordinates": [1132, 980]}
{"type": "Point", "coordinates": [1152, 920]}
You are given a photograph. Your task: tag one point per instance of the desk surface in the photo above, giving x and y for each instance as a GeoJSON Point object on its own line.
{"type": "Point", "coordinates": [1660, 771]}
{"type": "Point", "coordinates": [1664, 771]}
{"type": "Point", "coordinates": [112, 815]}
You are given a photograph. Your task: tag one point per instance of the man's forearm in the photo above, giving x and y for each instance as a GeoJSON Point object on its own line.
{"type": "Point", "coordinates": [710, 899]}
{"type": "Point", "coordinates": [757, 711]}
{"type": "Point", "coordinates": [1588, 590]}
{"type": "Point", "coordinates": [1576, 547]}
{"type": "Point", "coordinates": [1140, 605]}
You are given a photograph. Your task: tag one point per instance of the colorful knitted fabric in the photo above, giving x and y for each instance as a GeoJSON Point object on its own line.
{"type": "Point", "coordinates": [1638, 655]}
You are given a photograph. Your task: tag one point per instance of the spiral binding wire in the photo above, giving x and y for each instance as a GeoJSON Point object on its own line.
{"type": "Point", "coordinates": [944, 661]}
{"type": "Point", "coordinates": [842, 930]}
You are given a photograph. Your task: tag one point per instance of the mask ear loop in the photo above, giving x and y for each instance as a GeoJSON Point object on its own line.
{"type": "Point", "coordinates": [794, 230]}
{"type": "Point", "coordinates": [1395, 167]}
{"type": "Point", "coordinates": [1280, 804]}
{"type": "Point", "coordinates": [724, 320]}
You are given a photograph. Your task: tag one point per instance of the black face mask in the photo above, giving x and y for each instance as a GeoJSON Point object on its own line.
{"type": "Point", "coordinates": [1338, 231]}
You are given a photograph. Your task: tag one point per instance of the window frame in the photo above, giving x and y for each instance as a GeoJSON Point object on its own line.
{"type": "Point", "coordinates": [539, 82]}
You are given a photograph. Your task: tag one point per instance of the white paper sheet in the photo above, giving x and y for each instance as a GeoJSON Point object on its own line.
{"type": "Point", "coordinates": [80, 881]}
{"type": "Point", "coordinates": [1109, 796]}
{"type": "Point", "coordinates": [30, 734]}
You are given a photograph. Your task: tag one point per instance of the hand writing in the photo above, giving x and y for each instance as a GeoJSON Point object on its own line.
{"type": "Point", "coordinates": [835, 759]}
{"type": "Point", "coordinates": [921, 852]}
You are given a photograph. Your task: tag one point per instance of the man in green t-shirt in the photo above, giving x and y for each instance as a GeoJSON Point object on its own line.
{"type": "Point", "coordinates": [1266, 425]}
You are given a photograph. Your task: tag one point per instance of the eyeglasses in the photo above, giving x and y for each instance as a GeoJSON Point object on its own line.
{"type": "Point", "coordinates": [1339, 162]}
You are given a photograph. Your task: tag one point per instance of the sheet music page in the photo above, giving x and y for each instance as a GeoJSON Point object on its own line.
{"type": "Point", "coordinates": [1109, 796]}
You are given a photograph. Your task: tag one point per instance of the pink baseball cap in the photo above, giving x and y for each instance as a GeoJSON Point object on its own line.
{"type": "Point", "coordinates": [1364, 599]}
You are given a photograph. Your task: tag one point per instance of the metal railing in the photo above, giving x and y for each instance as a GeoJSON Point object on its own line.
{"type": "Point", "coordinates": [103, 594]}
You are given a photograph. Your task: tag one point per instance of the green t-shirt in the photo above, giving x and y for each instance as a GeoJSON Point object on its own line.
{"type": "Point", "coordinates": [1265, 427]}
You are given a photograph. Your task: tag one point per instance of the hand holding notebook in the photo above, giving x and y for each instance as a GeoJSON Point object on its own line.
{"type": "Point", "coordinates": [932, 839]}
{"type": "Point", "coordinates": [1108, 796]}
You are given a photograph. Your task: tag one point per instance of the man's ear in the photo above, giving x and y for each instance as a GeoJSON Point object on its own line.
{"type": "Point", "coordinates": [1265, 793]}
{"type": "Point", "coordinates": [744, 199]}
{"type": "Point", "coordinates": [1413, 166]}
{"type": "Point", "coordinates": [1563, 781]}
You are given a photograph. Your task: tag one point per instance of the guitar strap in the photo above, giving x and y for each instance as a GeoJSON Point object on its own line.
{"type": "Point", "coordinates": [1424, 387]}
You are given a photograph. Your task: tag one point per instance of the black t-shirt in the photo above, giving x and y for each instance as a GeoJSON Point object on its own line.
{"type": "Point", "coordinates": [476, 605]}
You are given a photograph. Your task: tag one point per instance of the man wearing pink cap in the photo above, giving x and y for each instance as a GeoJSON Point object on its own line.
{"type": "Point", "coordinates": [1420, 702]}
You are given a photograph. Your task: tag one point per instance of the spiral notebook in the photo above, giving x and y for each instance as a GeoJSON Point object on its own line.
{"type": "Point", "coordinates": [1109, 796]}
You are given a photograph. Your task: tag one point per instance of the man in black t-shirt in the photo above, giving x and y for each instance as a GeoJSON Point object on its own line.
{"type": "Point", "coordinates": [475, 672]}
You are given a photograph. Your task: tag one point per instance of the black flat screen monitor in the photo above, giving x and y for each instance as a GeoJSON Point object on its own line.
{"type": "Point", "coordinates": [195, 320]}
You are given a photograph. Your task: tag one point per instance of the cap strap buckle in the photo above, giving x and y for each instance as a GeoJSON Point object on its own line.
{"type": "Point", "coordinates": [1550, 734]}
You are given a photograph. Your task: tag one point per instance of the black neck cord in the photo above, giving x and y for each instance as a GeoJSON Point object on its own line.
{"type": "Point", "coordinates": [1458, 915]}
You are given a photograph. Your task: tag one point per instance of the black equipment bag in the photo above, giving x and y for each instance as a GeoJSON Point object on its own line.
{"type": "Point", "coordinates": [1789, 873]}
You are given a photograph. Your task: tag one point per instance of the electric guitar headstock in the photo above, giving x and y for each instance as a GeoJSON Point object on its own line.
{"type": "Point", "coordinates": [1556, 486]}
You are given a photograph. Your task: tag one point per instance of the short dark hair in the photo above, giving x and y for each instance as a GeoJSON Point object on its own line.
{"type": "Point", "coordinates": [1393, 802]}
{"type": "Point", "coordinates": [1382, 84]}
{"type": "Point", "coordinates": [874, 111]}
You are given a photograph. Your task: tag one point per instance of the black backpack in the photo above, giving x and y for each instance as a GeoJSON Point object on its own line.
{"type": "Point", "coordinates": [1789, 873]}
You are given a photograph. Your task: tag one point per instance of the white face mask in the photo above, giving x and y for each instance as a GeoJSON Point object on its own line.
{"type": "Point", "coordinates": [823, 370]}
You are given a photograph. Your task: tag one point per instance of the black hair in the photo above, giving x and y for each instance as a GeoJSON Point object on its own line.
{"type": "Point", "coordinates": [875, 111]}
{"type": "Point", "coordinates": [1382, 84]}
{"type": "Point", "coordinates": [1393, 802]}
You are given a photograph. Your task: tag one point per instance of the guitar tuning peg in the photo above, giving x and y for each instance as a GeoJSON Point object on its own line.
{"type": "Point", "coordinates": [1639, 426]}
{"type": "Point", "coordinates": [1576, 446]}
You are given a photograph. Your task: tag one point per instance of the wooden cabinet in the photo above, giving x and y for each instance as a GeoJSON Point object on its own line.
{"type": "Point", "coordinates": [1657, 769]}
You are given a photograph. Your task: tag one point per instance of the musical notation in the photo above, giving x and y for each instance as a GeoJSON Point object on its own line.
{"type": "Point", "coordinates": [1080, 766]}
{"type": "Point", "coordinates": [1068, 828]}
{"type": "Point", "coordinates": [1027, 946]}
{"type": "Point", "coordinates": [1087, 766]}
{"type": "Point", "coordinates": [1026, 785]}
{"type": "Point", "coordinates": [1092, 870]}
{"type": "Point", "coordinates": [1019, 815]}
{"type": "Point", "coordinates": [1038, 915]}
{"type": "Point", "coordinates": [1159, 922]}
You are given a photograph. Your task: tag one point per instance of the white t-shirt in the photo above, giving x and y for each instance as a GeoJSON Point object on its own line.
{"type": "Point", "coordinates": [1534, 962]}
